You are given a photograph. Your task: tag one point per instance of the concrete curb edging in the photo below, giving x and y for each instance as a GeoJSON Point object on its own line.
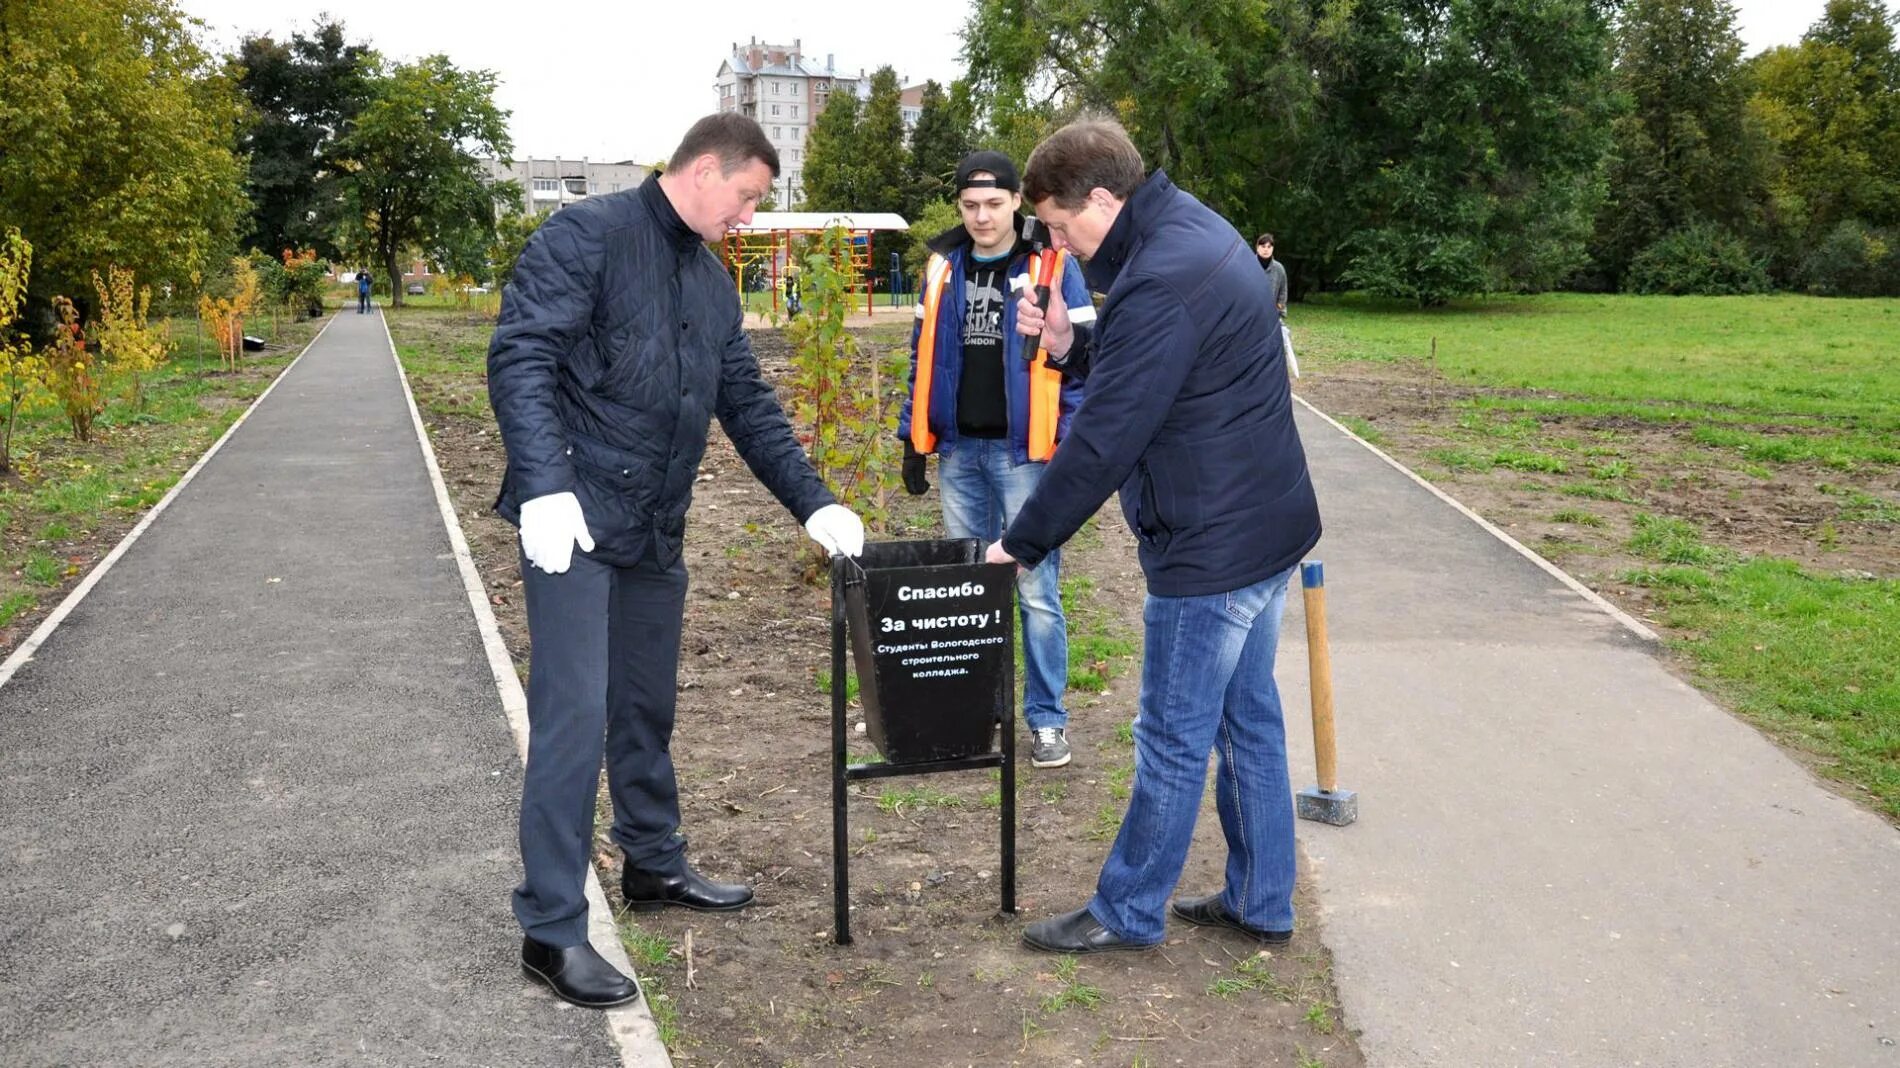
{"type": "Point", "coordinates": [631, 1026]}
{"type": "Point", "coordinates": [1629, 622]}
{"type": "Point", "coordinates": [24, 652]}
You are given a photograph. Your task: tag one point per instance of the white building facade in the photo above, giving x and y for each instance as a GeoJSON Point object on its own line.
{"type": "Point", "coordinates": [782, 91]}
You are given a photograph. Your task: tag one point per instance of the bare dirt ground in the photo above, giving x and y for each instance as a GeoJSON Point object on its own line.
{"type": "Point", "coordinates": [935, 976]}
{"type": "Point", "coordinates": [1794, 511]}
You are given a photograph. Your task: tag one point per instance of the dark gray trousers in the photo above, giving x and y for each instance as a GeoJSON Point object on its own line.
{"type": "Point", "coordinates": [602, 680]}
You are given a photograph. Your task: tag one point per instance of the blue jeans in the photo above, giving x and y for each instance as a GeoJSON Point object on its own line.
{"type": "Point", "coordinates": [983, 487]}
{"type": "Point", "coordinates": [1206, 684]}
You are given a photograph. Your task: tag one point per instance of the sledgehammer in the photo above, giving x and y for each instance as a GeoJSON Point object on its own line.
{"type": "Point", "coordinates": [1326, 803]}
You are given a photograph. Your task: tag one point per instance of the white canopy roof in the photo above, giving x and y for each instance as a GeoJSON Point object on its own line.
{"type": "Point", "coordinates": [821, 220]}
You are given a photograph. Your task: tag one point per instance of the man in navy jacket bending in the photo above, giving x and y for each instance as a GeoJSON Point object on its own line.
{"type": "Point", "coordinates": [1187, 411]}
{"type": "Point", "coordinates": [620, 339]}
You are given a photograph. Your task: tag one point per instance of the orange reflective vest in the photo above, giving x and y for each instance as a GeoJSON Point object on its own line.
{"type": "Point", "coordinates": [1045, 382]}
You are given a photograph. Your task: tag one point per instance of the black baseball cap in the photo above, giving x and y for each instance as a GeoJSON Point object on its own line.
{"type": "Point", "coordinates": [995, 163]}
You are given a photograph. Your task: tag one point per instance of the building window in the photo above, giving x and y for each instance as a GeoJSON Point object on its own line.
{"type": "Point", "coordinates": [776, 134]}
{"type": "Point", "coordinates": [794, 111]}
{"type": "Point", "coordinates": [774, 109]}
{"type": "Point", "coordinates": [796, 131]}
{"type": "Point", "coordinates": [547, 185]}
{"type": "Point", "coordinates": [774, 88]}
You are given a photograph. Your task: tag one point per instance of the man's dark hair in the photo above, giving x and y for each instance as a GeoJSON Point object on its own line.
{"type": "Point", "coordinates": [1083, 155]}
{"type": "Point", "coordinates": [735, 139]}
{"type": "Point", "coordinates": [1263, 239]}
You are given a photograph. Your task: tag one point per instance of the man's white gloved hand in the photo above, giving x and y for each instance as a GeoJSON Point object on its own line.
{"type": "Point", "coordinates": [837, 529]}
{"type": "Point", "coordinates": [550, 528]}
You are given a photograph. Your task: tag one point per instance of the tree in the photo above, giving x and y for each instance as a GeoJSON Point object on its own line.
{"type": "Point", "coordinates": [832, 166]}
{"type": "Point", "coordinates": [1684, 152]}
{"type": "Point", "coordinates": [115, 142]}
{"type": "Point", "coordinates": [303, 96]}
{"type": "Point", "coordinates": [939, 141]}
{"type": "Point", "coordinates": [414, 181]}
{"type": "Point", "coordinates": [1210, 90]}
{"type": "Point", "coordinates": [1831, 105]}
{"type": "Point", "coordinates": [1457, 147]}
{"type": "Point", "coordinates": [1425, 148]}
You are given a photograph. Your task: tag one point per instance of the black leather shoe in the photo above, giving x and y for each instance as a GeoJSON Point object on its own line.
{"type": "Point", "coordinates": [647, 891]}
{"type": "Point", "coordinates": [1209, 912]}
{"type": "Point", "coordinates": [1076, 932]}
{"type": "Point", "coordinates": [578, 975]}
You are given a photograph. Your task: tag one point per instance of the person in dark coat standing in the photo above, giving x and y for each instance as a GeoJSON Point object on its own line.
{"type": "Point", "coordinates": [620, 339]}
{"type": "Point", "coordinates": [362, 292]}
{"type": "Point", "coordinates": [1276, 271]}
{"type": "Point", "coordinates": [1187, 411]}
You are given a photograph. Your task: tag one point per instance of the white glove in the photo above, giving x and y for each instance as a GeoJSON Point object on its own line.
{"type": "Point", "coordinates": [837, 529]}
{"type": "Point", "coordinates": [550, 528]}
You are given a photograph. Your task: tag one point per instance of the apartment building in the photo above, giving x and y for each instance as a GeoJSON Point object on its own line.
{"type": "Point", "coordinates": [782, 90]}
{"type": "Point", "coordinates": [551, 184]}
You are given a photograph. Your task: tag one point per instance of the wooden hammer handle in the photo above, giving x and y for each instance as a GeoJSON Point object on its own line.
{"type": "Point", "coordinates": [1319, 663]}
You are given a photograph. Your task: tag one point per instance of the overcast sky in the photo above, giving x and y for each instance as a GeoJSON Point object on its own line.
{"type": "Point", "coordinates": [611, 80]}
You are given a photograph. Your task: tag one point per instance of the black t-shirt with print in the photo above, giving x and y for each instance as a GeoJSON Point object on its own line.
{"type": "Point", "coordinates": [982, 411]}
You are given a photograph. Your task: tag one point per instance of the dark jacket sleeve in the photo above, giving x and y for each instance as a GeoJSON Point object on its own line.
{"type": "Point", "coordinates": [544, 314]}
{"type": "Point", "coordinates": [749, 412]}
{"type": "Point", "coordinates": [1136, 372]}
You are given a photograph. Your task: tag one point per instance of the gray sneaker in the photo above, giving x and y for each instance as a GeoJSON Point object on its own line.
{"type": "Point", "coordinates": [1049, 747]}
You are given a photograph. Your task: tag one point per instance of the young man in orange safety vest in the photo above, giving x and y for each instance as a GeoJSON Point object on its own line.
{"type": "Point", "coordinates": [992, 409]}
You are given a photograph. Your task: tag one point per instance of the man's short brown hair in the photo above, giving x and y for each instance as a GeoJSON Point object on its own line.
{"type": "Point", "coordinates": [735, 139]}
{"type": "Point", "coordinates": [1084, 155]}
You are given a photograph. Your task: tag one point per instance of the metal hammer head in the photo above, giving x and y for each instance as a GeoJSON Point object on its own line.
{"type": "Point", "coordinates": [1337, 807]}
{"type": "Point", "coordinates": [1034, 232]}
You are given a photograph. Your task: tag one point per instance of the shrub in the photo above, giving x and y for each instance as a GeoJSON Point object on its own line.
{"type": "Point", "coordinates": [125, 335]}
{"type": "Point", "coordinates": [1702, 259]}
{"type": "Point", "coordinates": [1853, 260]}
{"type": "Point", "coordinates": [72, 372]}
{"type": "Point", "coordinates": [20, 368]}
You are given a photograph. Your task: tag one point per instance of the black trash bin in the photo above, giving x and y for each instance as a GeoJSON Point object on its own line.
{"type": "Point", "coordinates": [932, 637]}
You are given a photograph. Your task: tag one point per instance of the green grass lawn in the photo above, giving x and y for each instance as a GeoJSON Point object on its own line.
{"type": "Point", "coordinates": [1766, 382]}
{"type": "Point", "coordinates": [1764, 355]}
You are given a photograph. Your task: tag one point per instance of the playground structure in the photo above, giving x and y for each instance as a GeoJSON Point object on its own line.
{"type": "Point", "coordinates": [766, 242]}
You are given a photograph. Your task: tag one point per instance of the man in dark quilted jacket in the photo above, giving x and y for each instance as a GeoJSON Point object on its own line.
{"type": "Point", "coordinates": [621, 338]}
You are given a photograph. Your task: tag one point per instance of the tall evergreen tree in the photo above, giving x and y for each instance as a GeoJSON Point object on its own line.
{"type": "Point", "coordinates": [832, 163]}
{"type": "Point", "coordinates": [940, 139]}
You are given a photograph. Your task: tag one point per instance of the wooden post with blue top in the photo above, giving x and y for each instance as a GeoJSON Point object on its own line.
{"type": "Point", "coordinates": [1325, 803]}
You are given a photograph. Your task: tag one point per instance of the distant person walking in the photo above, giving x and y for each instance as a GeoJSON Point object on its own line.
{"type": "Point", "coordinates": [362, 292]}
